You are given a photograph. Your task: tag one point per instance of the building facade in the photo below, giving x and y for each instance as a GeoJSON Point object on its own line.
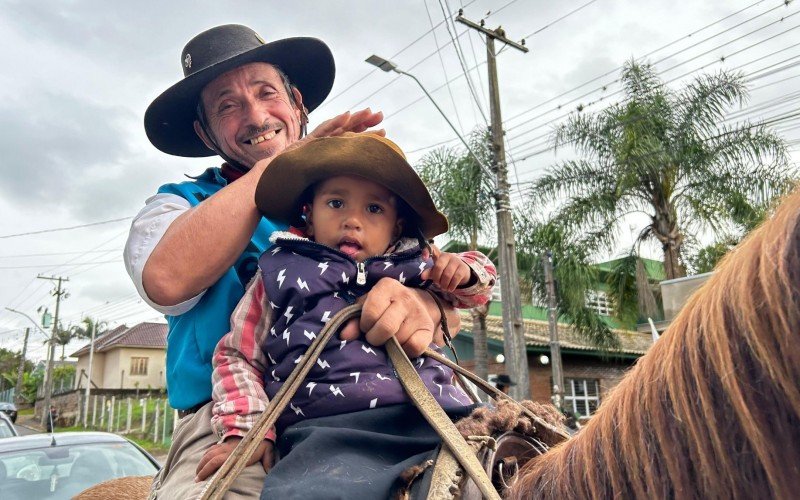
{"type": "Point", "coordinates": [126, 358]}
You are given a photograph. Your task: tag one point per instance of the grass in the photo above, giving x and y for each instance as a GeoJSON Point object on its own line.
{"type": "Point", "coordinates": [27, 412]}
{"type": "Point", "coordinates": [143, 439]}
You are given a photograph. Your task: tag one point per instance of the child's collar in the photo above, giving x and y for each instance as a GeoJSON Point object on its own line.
{"type": "Point", "coordinates": [400, 245]}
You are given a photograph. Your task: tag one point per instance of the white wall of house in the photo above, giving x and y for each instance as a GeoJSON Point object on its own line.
{"type": "Point", "coordinates": [119, 371]}
{"type": "Point", "coordinates": [112, 368]}
{"type": "Point", "coordinates": [98, 369]}
{"type": "Point", "coordinates": [111, 373]}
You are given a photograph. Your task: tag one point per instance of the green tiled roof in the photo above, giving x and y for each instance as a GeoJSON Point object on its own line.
{"type": "Point", "coordinates": [537, 334]}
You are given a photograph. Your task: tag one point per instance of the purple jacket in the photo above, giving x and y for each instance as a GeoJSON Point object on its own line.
{"type": "Point", "coordinates": [308, 283]}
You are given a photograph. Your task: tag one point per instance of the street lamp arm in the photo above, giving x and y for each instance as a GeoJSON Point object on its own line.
{"type": "Point", "coordinates": [31, 320]}
{"type": "Point", "coordinates": [485, 169]}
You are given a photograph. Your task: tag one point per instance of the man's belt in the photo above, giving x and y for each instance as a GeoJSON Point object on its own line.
{"type": "Point", "coordinates": [193, 409]}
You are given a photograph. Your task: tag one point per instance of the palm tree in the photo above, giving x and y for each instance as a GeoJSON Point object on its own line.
{"type": "Point", "coordinates": [89, 328]}
{"type": "Point", "coordinates": [668, 154]}
{"type": "Point", "coordinates": [63, 336]}
{"type": "Point", "coordinates": [464, 194]}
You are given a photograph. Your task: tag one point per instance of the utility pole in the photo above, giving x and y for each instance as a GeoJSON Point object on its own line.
{"type": "Point", "coordinates": [513, 328]}
{"type": "Point", "coordinates": [48, 388]}
{"type": "Point", "coordinates": [21, 369]}
{"type": "Point", "coordinates": [552, 319]}
{"type": "Point", "coordinates": [89, 377]}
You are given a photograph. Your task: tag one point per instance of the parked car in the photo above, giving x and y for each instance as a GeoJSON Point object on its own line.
{"type": "Point", "coordinates": [7, 428]}
{"type": "Point", "coordinates": [10, 410]}
{"type": "Point", "coordinates": [61, 465]}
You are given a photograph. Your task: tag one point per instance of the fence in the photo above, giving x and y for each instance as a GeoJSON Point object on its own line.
{"type": "Point", "coordinates": [61, 385]}
{"type": "Point", "coordinates": [146, 418]}
{"type": "Point", "coordinates": [7, 396]}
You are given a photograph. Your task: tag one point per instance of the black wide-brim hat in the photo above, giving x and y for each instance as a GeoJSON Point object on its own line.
{"type": "Point", "coordinates": [169, 120]}
{"type": "Point", "coordinates": [280, 190]}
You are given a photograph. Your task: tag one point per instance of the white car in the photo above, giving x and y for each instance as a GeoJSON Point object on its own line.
{"type": "Point", "coordinates": [61, 465]}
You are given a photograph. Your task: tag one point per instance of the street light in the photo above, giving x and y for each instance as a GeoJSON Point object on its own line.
{"type": "Point", "coordinates": [388, 66]}
{"type": "Point", "coordinates": [50, 352]}
{"type": "Point", "coordinates": [31, 320]}
{"type": "Point", "coordinates": [515, 349]}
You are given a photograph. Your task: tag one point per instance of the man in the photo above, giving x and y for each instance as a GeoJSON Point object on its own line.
{"type": "Point", "coordinates": [51, 419]}
{"type": "Point", "coordinates": [194, 247]}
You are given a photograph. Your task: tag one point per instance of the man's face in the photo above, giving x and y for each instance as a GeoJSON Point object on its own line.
{"type": "Point", "coordinates": [356, 216]}
{"type": "Point", "coordinates": [250, 114]}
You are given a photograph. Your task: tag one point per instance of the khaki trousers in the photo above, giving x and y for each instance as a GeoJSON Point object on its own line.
{"type": "Point", "coordinates": [192, 437]}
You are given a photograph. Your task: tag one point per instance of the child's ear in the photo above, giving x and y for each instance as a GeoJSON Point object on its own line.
{"type": "Point", "coordinates": [398, 228]}
{"type": "Point", "coordinates": [309, 229]}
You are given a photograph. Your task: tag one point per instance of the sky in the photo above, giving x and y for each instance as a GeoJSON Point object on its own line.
{"type": "Point", "coordinates": [78, 76]}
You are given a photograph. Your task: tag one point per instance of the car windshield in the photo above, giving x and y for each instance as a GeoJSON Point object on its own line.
{"type": "Point", "coordinates": [5, 429]}
{"type": "Point", "coordinates": [64, 471]}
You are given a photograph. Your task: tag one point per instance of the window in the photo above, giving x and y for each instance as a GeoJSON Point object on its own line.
{"type": "Point", "coordinates": [599, 301]}
{"type": "Point", "coordinates": [139, 366]}
{"type": "Point", "coordinates": [582, 396]}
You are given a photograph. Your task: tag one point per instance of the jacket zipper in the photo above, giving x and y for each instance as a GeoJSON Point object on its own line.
{"type": "Point", "coordinates": [361, 279]}
{"type": "Point", "coordinates": [361, 267]}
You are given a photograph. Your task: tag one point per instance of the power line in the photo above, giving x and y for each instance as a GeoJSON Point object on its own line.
{"type": "Point", "coordinates": [583, 106]}
{"type": "Point", "coordinates": [659, 49]}
{"type": "Point", "coordinates": [56, 254]}
{"type": "Point", "coordinates": [444, 70]}
{"type": "Point", "coordinates": [554, 120]}
{"type": "Point", "coordinates": [65, 228]}
{"type": "Point", "coordinates": [559, 19]}
{"type": "Point", "coordinates": [604, 87]}
{"type": "Point", "coordinates": [116, 261]}
{"type": "Point", "coordinates": [461, 58]}
{"type": "Point", "coordinates": [354, 83]}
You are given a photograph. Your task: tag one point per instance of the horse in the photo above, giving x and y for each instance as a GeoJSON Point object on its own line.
{"type": "Point", "coordinates": [713, 409]}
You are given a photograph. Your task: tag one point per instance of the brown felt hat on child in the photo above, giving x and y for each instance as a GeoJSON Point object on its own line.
{"type": "Point", "coordinates": [283, 183]}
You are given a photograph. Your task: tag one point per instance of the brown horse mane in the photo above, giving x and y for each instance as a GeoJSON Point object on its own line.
{"type": "Point", "coordinates": [713, 409]}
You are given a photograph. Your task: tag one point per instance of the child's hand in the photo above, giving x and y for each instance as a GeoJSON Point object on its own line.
{"type": "Point", "coordinates": [448, 271]}
{"type": "Point", "coordinates": [217, 454]}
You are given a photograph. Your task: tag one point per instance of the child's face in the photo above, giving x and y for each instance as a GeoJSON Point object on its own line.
{"type": "Point", "coordinates": [354, 215]}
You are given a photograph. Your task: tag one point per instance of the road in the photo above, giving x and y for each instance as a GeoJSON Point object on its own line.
{"type": "Point", "coordinates": [24, 431]}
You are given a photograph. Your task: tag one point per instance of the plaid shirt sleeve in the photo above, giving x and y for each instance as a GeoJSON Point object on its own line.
{"type": "Point", "coordinates": [480, 292]}
{"type": "Point", "coordinates": [239, 366]}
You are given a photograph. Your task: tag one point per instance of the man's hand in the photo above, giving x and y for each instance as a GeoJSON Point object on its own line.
{"type": "Point", "coordinates": [449, 271]}
{"type": "Point", "coordinates": [393, 310]}
{"type": "Point", "coordinates": [217, 454]}
{"type": "Point", "coordinates": [358, 122]}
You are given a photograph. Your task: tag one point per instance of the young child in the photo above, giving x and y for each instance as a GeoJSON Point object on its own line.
{"type": "Point", "coordinates": [350, 428]}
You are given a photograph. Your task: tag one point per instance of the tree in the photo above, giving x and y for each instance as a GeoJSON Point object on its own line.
{"type": "Point", "coordinates": [89, 327]}
{"type": "Point", "coordinates": [63, 336]}
{"type": "Point", "coordinates": [465, 195]}
{"type": "Point", "coordinates": [705, 259]}
{"type": "Point", "coordinates": [573, 272]}
{"type": "Point", "coordinates": [669, 155]}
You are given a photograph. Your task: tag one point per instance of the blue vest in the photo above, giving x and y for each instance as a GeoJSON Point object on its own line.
{"type": "Point", "coordinates": [193, 335]}
{"type": "Point", "coordinates": [308, 283]}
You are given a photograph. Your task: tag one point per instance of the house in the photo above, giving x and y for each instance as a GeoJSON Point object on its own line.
{"type": "Point", "coordinates": [126, 358]}
{"type": "Point", "coordinates": [589, 374]}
